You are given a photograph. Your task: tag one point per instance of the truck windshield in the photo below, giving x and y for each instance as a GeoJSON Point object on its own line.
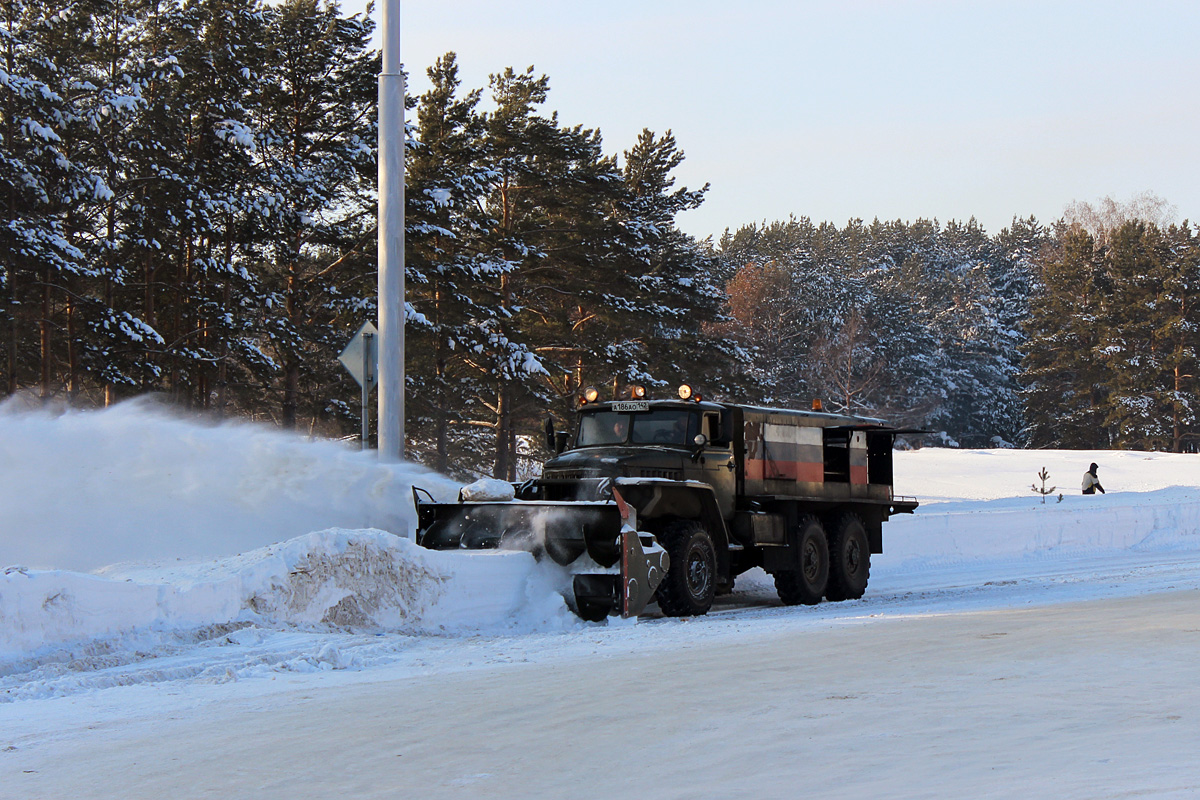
{"type": "Point", "coordinates": [662, 426]}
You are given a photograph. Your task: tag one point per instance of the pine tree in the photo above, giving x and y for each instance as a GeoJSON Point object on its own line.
{"type": "Point", "coordinates": [1066, 384]}
{"type": "Point", "coordinates": [448, 277]}
{"type": "Point", "coordinates": [314, 156]}
{"type": "Point", "coordinates": [42, 184]}
{"type": "Point", "coordinates": [1013, 283]}
{"type": "Point", "coordinates": [551, 194]}
{"type": "Point", "coordinates": [660, 294]}
{"type": "Point", "coordinates": [1136, 263]}
{"type": "Point", "coordinates": [111, 336]}
{"type": "Point", "coordinates": [1179, 319]}
{"type": "Point", "coordinates": [904, 327]}
{"type": "Point", "coordinates": [139, 221]}
{"type": "Point", "coordinates": [188, 166]}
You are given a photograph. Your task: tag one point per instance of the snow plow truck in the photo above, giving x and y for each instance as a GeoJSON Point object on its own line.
{"type": "Point", "coordinates": [670, 500]}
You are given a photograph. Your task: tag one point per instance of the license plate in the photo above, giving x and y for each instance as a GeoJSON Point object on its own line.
{"type": "Point", "coordinates": [631, 405]}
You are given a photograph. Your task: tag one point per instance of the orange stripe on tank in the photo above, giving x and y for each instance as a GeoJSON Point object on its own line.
{"type": "Point", "coordinates": [757, 470]}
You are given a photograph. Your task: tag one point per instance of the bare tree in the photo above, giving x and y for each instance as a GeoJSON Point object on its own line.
{"type": "Point", "coordinates": [844, 366]}
{"type": "Point", "coordinates": [766, 314]}
{"type": "Point", "coordinates": [1108, 214]}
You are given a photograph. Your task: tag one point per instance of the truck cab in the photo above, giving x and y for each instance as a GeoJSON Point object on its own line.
{"type": "Point", "coordinates": [669, 440]}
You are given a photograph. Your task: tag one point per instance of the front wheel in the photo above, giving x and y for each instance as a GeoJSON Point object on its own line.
{"type": "Point", "coordinates": [806, 583]}
{"type": "Point", "coordinates": [691, 580]}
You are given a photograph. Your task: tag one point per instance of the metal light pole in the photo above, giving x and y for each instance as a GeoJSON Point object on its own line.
{"type": "Point", "coordinates": [391, 239]}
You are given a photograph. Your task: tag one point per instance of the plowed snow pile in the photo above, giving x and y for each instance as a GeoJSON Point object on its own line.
{"type": "Point", "coordinates": [184, 525]}
{"type": "Point", "coordinates": [362, 580]}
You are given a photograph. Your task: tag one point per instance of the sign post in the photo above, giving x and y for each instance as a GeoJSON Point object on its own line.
{"type": "Point", "coordinates": [361, 360]}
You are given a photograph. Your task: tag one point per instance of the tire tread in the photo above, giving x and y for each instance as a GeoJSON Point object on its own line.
{"type": "Point", "coordinates": [840, 587]}
{"type": "Point", "coordinates": [674, 599]}
{"type": "Point", "coordinates": [790, 584]}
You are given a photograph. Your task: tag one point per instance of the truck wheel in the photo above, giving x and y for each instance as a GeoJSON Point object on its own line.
{"type": "Point", "coordinates": [850, 559]}
{"type": "Point", "coordinates": [691, 579]}
{"type": "Point", "coordinates": [807, 583]}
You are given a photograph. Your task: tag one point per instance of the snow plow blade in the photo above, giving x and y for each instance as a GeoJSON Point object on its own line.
{"type": "Point", "coordinates": [604, 531]}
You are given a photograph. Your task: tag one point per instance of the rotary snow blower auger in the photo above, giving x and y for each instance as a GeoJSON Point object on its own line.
{"type": "Point", "coordinates": [628, 564]}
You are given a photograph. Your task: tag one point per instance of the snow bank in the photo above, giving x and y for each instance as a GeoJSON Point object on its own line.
{"type": "Point", "coordinates": [83, 489]}
{"type": "Point", "coordinates": [937, 475]}
{"type": "Point", "coordinates": [363, 580]}
{"type": "Point", "coordinates": [1167, 520]}
{"type": "Point", "coordinates": [979, 505]}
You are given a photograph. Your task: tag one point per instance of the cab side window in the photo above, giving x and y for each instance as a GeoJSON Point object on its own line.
{"type": "Point", "coordinates": [712, 428]}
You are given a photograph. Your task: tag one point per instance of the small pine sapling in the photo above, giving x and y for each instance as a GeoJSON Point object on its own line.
{"type": "Point", "coordinates": [1044, 475]}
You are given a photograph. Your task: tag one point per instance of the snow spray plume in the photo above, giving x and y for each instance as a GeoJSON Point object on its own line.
{"type": "Point", "coordinates": [526, 527]}
{"type": "Point", "coordinates": [134, 482]}
{"type": "Point", "coordinates": [535, 527]}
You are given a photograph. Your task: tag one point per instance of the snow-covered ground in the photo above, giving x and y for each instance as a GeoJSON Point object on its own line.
{"type": "Point", "coordinates": [221, 610]}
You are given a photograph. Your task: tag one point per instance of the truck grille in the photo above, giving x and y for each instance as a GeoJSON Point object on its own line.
{"type": "Point", "coordinates": [572, 474]}
{"type": "Point", "coordinates": [584, 474]}
{"type": "Point", "coordinates": [669, 474]}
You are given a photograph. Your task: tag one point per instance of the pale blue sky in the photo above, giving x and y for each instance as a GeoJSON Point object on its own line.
{"type": "Point", "coordinates": [864, 108]}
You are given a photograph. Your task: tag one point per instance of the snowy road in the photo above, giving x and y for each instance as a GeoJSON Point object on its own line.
{"type": "Point", "coordinates": [1076, 700]}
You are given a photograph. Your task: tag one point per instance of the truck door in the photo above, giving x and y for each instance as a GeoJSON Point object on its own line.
{"type": "Point", "coordinates": [717, 462]}
{"type": "Point", "coordinates": [858, 464]}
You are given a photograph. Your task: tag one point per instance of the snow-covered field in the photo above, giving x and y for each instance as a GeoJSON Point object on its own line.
{"type": "Point", "coordinates": [194, 610]}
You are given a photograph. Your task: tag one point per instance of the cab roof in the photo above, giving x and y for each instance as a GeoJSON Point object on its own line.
{"type": "Point", "coordinates": [817, 418]}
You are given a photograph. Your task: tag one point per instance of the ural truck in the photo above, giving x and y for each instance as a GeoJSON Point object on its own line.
{"type": "Point", "coordinates": [671, 500]}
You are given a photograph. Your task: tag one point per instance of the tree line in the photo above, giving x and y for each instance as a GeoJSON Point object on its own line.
{"type": "Point", "coordinates": [186, 190]}
{"type": "Point", "coordinates": [188, 199]}
{"type": "Point", "coordinates": [918, 322]}
{"type": "Point", "coordinates": [1081, 335]}
{"type": "Point", "coordinates": [1111, 356]}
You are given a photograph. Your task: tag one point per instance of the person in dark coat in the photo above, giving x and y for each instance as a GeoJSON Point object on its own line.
{"type": "Point", "coordinates": [1090, 482]}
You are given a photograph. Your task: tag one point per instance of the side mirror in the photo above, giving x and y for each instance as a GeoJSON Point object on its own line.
{"type": "Point", "coordinates": [550, 437]}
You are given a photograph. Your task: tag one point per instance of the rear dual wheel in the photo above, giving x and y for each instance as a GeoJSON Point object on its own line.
{"type": "Point", "coordinates": [807, 583]}
{"type": "Point", "coordinates": [850, 559]}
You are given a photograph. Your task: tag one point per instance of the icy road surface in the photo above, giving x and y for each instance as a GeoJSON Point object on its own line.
{"type": "Point", "coordinates": [1076, 700]}
{"type": "Point", "coordinates": [1005, 648]}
